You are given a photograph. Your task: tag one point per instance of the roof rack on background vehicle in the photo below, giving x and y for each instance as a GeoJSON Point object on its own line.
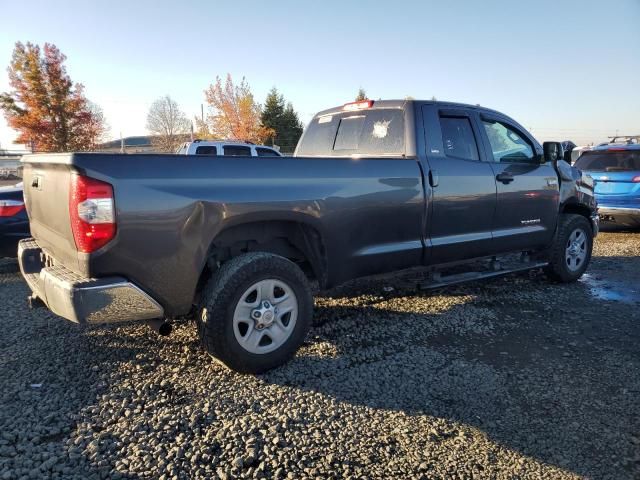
{"type": "Point", "coordinates": [624, 139]}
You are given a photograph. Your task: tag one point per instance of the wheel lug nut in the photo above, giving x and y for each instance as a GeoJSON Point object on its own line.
{"type": "Point", "coordinates": [257, 314]}
{"type": "Point", "coordinates": [265, 304]}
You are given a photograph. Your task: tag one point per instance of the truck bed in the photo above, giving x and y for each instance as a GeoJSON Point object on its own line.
{"type": "Point", "coordinates": [169, 208]}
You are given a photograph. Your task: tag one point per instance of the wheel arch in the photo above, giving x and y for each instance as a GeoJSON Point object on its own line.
{"type": "Point", "coordinates": [295, 240]}
{"type": "Point", "coordinates": [577, 209]}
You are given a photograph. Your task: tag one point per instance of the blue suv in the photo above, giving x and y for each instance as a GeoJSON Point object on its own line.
{"type": "Point", "coordinates": [615, 167]}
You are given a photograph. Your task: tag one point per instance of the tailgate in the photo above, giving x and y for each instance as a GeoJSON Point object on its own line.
{"type": "Point", "coordinates": [46, 193]}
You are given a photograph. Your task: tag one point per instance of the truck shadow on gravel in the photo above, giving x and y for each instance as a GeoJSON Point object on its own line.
{"type": "Point", "coordinates": [547, 370]}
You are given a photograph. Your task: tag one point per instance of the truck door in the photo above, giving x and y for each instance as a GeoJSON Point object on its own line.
{"type": "Point", "coordinates": [528, 190]}
{"type": "Point", "coordinates": [463, 187]}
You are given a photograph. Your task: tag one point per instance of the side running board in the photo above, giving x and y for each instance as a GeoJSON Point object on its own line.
{"type": "Point", "coordinates": [495, 269]}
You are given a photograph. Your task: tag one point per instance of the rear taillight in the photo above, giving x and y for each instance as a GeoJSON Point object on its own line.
{"type": "Point", "coordinates": [92, 213]}
{"type": "Point", "coordinates": [9, 208]}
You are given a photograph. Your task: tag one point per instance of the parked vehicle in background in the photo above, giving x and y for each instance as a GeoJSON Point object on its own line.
{"type": "Point", "coordinates": [14, 223]}
{"type": "Point", "coordinates": [615, 167]}
{"type": "Point", "coordinates": [567, 148]}
{"type": "Point", "coordinates": [576, 152]}
{"type": "Point", "coordinates": [10, 168]}
{"type": "Point", "coordinates": [375, 187]}
{"type": "Point", "coordinates": [226, 149]}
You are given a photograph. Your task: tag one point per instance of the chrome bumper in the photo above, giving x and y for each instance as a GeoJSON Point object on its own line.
{"type": "Point", "coordinates": [83, 300]}
{"type": "Point", "coordinates": [619, 211]}
{"type": "Point", "coordinates": [623, 216]}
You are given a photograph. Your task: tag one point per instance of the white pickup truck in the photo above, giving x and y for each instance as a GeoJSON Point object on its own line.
{"type": "Point", "coordinates": [226, 149]}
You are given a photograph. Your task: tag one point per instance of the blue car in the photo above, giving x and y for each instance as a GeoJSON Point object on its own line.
{"type": "Point", "coordinates": [14, 223]}
{"type": "Point", "coordinates": [615, 167]}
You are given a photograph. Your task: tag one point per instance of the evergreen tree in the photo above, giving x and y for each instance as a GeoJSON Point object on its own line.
{"type": "Point", "coordinates": [291, 129]}
{"type": "Point", "coordinates": [272, 112]}
{"type": "Point", "coordinates": [362, 95]}
{"type": "Point", "coordinates": [283, 120]}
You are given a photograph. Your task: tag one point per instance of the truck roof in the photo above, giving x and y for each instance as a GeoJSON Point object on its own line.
{"type": "Point", "coordinates": [397, 103]}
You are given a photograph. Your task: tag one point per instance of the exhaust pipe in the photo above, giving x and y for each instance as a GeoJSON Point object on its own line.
{"type": "Point", "coordinates": [160, 326]}
{"type": "Point", "coordinates": [35, 302]}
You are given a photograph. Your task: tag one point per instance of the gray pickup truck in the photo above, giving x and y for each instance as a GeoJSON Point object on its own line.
{"type": "Point", "coordinates": [234, 242]}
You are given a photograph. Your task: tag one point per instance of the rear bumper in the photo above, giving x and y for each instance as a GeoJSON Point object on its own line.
{"type": "Point", "coordinates": [622, 215]}
{"type": "Point", "coordinates": [595, 224]}
{"type": "Point", "coordinates": [83, 300]}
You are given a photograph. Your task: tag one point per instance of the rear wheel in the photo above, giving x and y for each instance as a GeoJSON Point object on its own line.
{"type": "Point", "coordinates": [571, 252]}
{"type": "Point", "coordinates": [255, 313]}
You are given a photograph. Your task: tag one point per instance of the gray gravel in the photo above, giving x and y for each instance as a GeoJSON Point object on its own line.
{"type": "Point", "coordinates": [515, 378]}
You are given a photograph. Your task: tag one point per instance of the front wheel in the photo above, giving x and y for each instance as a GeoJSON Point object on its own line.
{"type": "Point", "coordinates": [571, 252]}
{"type": "Point", "coordinates": [256, 312]}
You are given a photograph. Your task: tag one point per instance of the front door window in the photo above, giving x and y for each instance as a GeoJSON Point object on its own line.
{"type": "Point", "coordinates": [507, 145]}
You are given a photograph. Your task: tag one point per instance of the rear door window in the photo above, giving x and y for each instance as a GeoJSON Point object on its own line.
{"type": "Point", "coordinates": [237, 151]}
{"type": "Point", "coordinates": [458, 138]}
{"type": "Point", "coordinates": [266, 152]}
{"type": "Point", "coordinates": [207, 150]}
{"type": "Point", "coordinates": [609, 161]}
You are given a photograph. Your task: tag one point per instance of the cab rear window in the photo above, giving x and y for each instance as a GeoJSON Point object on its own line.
{"type": "Point", "coordinates": [609, 161]}
{"type": "Point", "coordinates": [378, 132]}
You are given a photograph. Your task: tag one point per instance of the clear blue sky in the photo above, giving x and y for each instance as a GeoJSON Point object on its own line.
{"type": "Point", "coordinates": [565, 68]}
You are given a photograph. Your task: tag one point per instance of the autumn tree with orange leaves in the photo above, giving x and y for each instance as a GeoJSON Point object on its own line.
{"type": "Point", "coordinates": [234, 114]}
{"type": "Point", "coordinates": [47, 109]}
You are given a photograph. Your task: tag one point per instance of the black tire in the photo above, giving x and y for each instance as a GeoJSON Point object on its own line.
{"type": "Point", "coordinates": [221, 295]}
{"type": "Point", "coordinates": [558, 268]}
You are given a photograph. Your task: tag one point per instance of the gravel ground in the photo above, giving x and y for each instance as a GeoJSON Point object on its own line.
{"type": "Point", "coordinates": [514, 378]}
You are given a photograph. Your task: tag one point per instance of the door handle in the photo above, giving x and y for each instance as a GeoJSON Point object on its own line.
{"type": "Point", "coordinates": [433, 178]}
{"type": "Point", "coordinates": [504, 177]}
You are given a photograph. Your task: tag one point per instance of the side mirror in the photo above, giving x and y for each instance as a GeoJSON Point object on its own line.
{"type": "Point", "coordinates": [552, 151]}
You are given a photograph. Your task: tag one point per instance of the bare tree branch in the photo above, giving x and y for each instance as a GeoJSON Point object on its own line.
{"type": "Point", "coordinates": [167, 123]}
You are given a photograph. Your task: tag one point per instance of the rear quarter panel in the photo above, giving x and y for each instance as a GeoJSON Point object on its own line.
{"type": "Point", "coordinates": [170, 208]}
